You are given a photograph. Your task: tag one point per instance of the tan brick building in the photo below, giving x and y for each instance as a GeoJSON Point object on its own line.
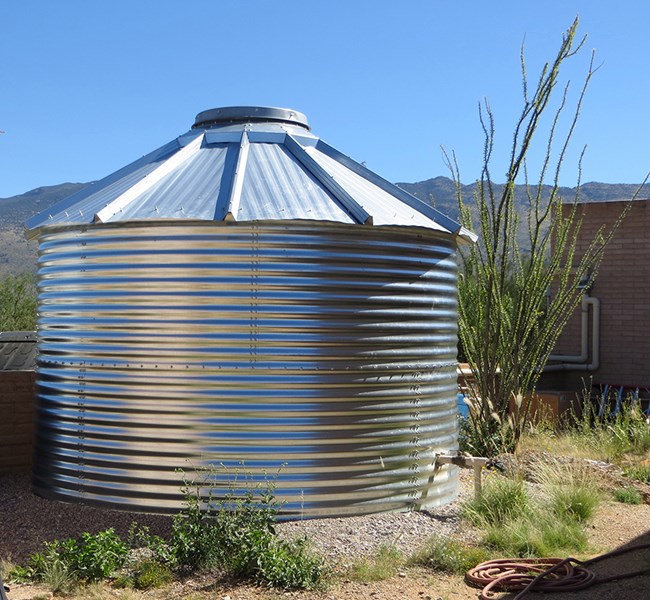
{"type": "Point", "coordinates": [17, 392]}
{"type": "Point", "coordinates": [623, 288]}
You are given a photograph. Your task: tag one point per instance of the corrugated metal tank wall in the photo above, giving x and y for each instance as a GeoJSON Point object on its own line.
{"type": "Point", "coordinates": [305, 347]}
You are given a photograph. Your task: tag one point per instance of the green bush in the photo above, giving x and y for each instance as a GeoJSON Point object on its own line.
{"type": "Point", "coordinates": [18, 302]}
{"type": "Point", "coordinates": [150, 574]}
{"type": "Point", "coordinates": [628, 495]}
{"type": "Point", "coordinates": [90, 558]}
{"type": "Point", "coordinates": [230, 532]}
{"type": "Point", "coordinates": [289, 565]}
{"type": "Point", "coordinates": [96, 556]}
{"type": "Point", "coordinates": [237, 534]}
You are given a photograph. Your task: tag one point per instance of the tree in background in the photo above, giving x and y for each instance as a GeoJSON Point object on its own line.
{"type": "Point", "coordinates": [18, 302]}
{"type": "Point", "coordinates": [508, 324]}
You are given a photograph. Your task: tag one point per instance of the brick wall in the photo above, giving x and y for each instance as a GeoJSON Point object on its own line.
{"type": "Point", "coordinates": [623, 287]}
{"type": "Point", "coordinates": [17, 396]}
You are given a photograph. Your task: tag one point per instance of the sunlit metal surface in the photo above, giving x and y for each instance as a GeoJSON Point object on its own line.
{"type": "Point", "coordinates": [326, 352]}
{"type": "Point", "coordinates": [223, 170]}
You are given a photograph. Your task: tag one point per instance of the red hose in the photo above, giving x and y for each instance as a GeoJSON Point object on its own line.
{"type": "Point", "coordinates": [541, 574]}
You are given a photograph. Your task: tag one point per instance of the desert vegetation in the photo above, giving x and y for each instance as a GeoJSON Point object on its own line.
{"type": "Point", "coordinates": [534, 504]}
{"type": "Point", "coordinates": [18, 302]}
{"type": "Point", "coordinates": [515, 298]}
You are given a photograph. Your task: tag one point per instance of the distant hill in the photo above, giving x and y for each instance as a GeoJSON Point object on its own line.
{"type": "Point", "coordinates": [440, 193]}
{"type": "Point", "coordinates": [16, 254]}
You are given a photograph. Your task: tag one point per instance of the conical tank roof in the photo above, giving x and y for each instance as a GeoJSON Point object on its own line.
{"type": "Point", "coordinates": [245, 164]}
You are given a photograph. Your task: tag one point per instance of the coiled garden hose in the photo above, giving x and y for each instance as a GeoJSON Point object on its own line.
{"type": "Point", "coordinates": [525, 575]}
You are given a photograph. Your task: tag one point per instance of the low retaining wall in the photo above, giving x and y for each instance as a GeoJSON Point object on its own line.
{"type": "Point", "coordinates": [17, 399]}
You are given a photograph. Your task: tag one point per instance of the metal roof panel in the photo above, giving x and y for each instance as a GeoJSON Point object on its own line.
{"type": "Point", "coordinates": [82, 206]}
{"type": "Point", "coordinates": [277, 186]}
{"type": "Point", "coordinates": [384, 207]}
{"type": "Point", "coordinates": [185, 193]}
{"type": "Point", "coordinates": [234, 166]}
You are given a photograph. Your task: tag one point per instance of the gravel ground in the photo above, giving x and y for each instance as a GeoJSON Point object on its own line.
{"type": "Point", "coordinates": [27, 520]}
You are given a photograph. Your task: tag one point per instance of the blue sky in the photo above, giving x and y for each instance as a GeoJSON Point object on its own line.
{"type": "Point", "coordinates": [87, 87]}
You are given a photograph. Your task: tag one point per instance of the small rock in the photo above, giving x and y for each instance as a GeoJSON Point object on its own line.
{"type": "Point", "coordinates": [402, 574]}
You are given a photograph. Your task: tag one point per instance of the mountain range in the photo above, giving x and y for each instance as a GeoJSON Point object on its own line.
{"type": "Point", "coordinates": [17, 254]}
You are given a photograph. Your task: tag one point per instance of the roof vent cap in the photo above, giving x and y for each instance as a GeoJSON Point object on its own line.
{"type": "Point", "coordinates": [249, 114]}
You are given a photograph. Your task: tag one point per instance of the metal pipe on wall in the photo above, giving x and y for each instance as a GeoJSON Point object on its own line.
{"type": "Point", "coordinates": [579, 362]}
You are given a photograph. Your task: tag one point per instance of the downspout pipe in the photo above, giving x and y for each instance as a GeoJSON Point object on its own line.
{"type": "Point", "coordinates": [579, 362]}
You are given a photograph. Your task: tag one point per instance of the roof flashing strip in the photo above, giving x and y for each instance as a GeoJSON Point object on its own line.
{"type": "Point", "coordinates": [355, 209]}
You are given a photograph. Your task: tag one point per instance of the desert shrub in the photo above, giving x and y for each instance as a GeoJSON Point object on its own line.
{"type": "Point", "coordinates": [158, 549]}
{"type": "Point", "coordinates": [627, 495]}
{"type": "Point", "coordinates": [383, 564]}
{"type": "Point", "coordinates": [638, 473]}
{"type": "Point", "coordinates": [610, 436]}
{"type": "Point", "coordinates": [502, 500]}
{"type": "Point", "coordinates": [568, 488]}
{"type": "Point", "coordinates": [237, 534]}
{"type": "Point", "coordinates": [542, 535]}
{"type": "Point", "coordinates": [448, 556]}
{"type": "Point", "coordinates": [545, 522]}
{"type": "Point", "coordinates": [289, 565]}
{"type": "Point", "coordinates": [145, 575]}
{"type": "Point", "coordinates": [18, 302]}
{"type": "Point", "coordinates": [61, 564]}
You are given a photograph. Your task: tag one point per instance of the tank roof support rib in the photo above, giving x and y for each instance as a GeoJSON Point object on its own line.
{"type": "Point", "coordinates": [238, 179]}
{"type": "Point", "coordinates": [348, 202]}
{"type": "Point", "coordinates": [147, 182]}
